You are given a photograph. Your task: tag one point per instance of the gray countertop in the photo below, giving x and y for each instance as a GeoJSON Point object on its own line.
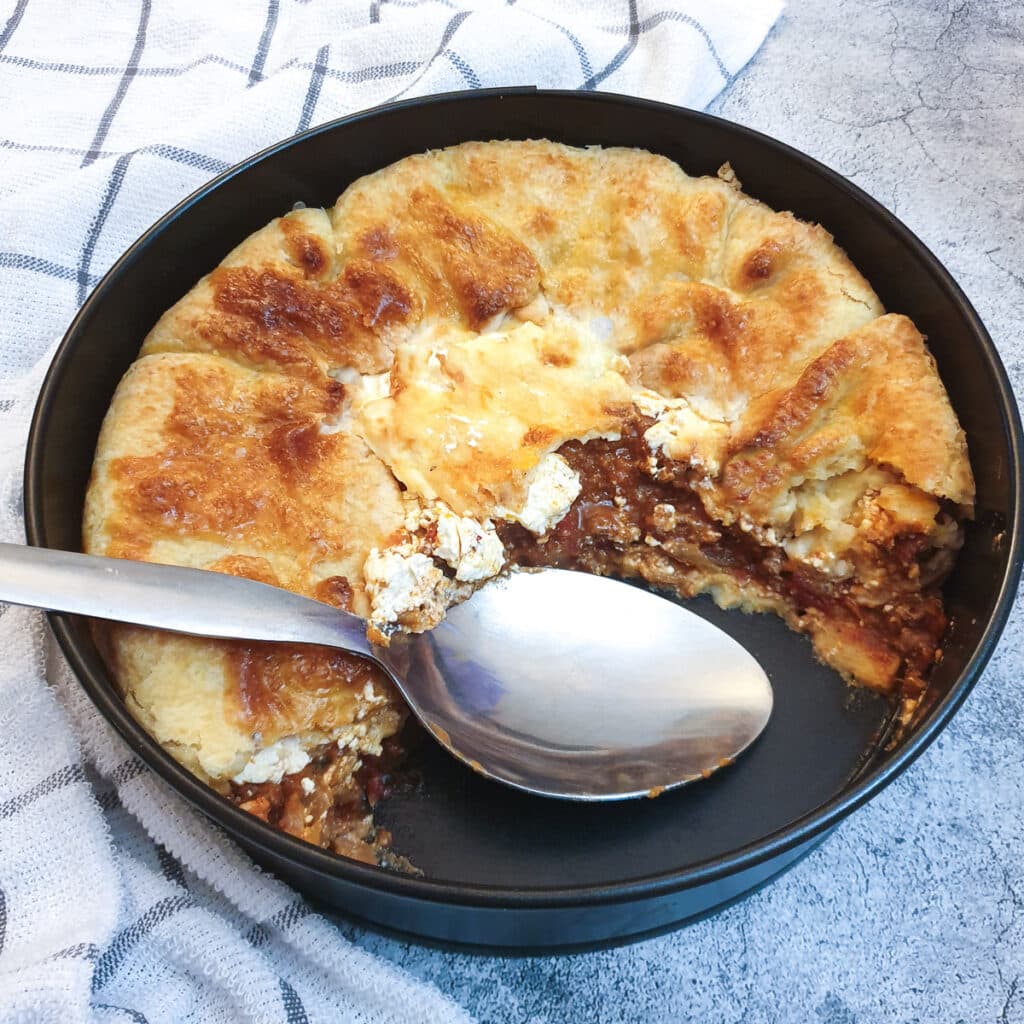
{"type": "Point", "coordinates": [914, 909]}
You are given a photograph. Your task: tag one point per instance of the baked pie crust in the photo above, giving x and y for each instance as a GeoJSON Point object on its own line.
{"type": "Point", "coordinates": [517, 353]}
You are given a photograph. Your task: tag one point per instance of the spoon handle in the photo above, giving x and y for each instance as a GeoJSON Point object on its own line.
{"type": "Point", "coordinates": [170, 597]}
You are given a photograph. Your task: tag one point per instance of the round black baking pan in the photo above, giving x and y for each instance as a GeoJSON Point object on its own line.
{"type": "Point", "coordinates": [501, 868]}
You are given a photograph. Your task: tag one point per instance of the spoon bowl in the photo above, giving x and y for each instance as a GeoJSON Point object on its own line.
{"type": "Point", "coordinates": [582, 687]}
{"type": "Point", "coordinates": [554, 682]}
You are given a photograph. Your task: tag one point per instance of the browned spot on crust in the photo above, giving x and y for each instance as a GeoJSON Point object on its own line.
{"type": "Point", "coordinates": [542, 223]}
{"type": "Point", "coordinates": [179, 499]}
{"type": "Point", "coordinates": [255, 344]}
{"type": "Point", "coordinates": [695, 224]}
{"type": "Point", "coordinates": [285, 683]}
{"type": "Point", "coordinates": [761, 262]}
{"type": "Point", "coordinates": [337, 591]}
{"type": "Point", "coordinates": [211, 478]}
{"type": "Point", "coordinates": [678, 369]}
{"type": "Point", "coordinates": [295, 446]}
{"type": "Point", "coordinates": [489, 270]}
{"type": "Point", "coordinates": [664, 367]}
{"type": "Point", "coordinates": [334, 395]}
{"type": "Point", "coordinates": [717, 318]}
{"type": "Point", "coordinates": [803, 294]}
{"type": "Point", "coordinates": [271, 314]}
{"type": "Point", "coordinates": [480, 301]}
{"type": "Point", "coordinates": [553, 357]}
{"type": "Point", "coordinates": [379, 243]}
{"type": "Point", "coordinates": [247, 566]}
{"type": "Point", "coordinates": [306, 250]}
{"type": "Point", "coordinates": [376, 293]}
{"type": "Point", "coordinates": [796, 406]}
{"type": "Point", "coordinates": [537, 437]}
{"type": "Point", "coordinates": [276, 303]}
{"type": "Point", "coordinates": [783, 419]}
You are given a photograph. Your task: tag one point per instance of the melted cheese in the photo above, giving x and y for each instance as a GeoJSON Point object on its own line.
{"type": "Point", "coordinates": [470, 416]}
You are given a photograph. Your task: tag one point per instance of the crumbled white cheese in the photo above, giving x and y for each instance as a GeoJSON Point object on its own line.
{"type": "Point", "coordinates": [308, 785]}
{"type": "Point", "coordinates": [370, 696]}
{"type": "Point", "coordinates": [821, 551]}
{"type": "Point", "coordinates": [665, 517]}
{"type": "Point", "coordinates": [472, 548]}
{"type": "Point", "coordinates": [272, 763]}
{"type": "Point", "coordinates": [680, 432]}
{"type": "Point", "coordinates": [399, 581]}
{"type": "Point", "coordinates": [552, 486]}
{"type": "Point", "coordinates": [650, 403]}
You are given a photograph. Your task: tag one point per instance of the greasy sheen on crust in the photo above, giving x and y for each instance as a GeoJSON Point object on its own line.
{"type": "Point", "coordinates": [373, 389]}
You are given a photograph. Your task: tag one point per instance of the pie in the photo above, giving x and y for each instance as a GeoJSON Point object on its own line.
{"type": "Point", "coordinates": [513, 354]}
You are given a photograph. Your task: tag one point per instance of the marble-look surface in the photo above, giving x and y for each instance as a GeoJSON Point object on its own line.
{"type": "Point", "coordinates": [914, 909]}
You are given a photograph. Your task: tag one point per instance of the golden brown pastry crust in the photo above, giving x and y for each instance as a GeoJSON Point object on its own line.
{"type": "Point", "coordinates": [204, 463]}
{"type": "Point", "coordinates": [347, 379]}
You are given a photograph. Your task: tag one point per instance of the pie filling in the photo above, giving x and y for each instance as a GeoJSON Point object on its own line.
{"type": "Point", "coordinates": [330, 802]}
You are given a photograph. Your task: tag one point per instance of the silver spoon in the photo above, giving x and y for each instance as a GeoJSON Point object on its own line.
{"type": "Point", "coordinates": [554, 682]}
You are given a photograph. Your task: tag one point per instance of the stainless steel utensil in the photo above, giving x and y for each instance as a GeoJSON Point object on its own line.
{"type": "Point", "coordinates": [557, 683]}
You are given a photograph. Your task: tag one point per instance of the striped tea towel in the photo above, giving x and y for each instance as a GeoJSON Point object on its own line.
{"type": "Point", "coordinates": [117, 902]}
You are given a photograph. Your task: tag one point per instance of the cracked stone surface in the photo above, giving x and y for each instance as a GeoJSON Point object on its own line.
{"type": "Point", "coordinates": [914, 909]}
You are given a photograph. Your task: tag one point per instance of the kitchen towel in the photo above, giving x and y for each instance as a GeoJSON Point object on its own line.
{"type": "Point", "coordinates": [117, 901]}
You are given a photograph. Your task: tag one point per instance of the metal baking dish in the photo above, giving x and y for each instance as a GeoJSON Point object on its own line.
{"type": "Point", "coordinates": [501, 868]}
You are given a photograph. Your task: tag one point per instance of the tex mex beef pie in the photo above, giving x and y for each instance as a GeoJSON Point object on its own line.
{"type": "Point", "coordinates": [516, 353]}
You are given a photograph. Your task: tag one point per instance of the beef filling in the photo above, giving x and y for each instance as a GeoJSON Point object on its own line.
{"type": "Point", "coordinates": [330, 802]}
{"type": "Point", "coordinates": [629, 503]}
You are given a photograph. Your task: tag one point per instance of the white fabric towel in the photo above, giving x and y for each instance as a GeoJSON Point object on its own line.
{"type": "Point", "coordinates": [117, 901]}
